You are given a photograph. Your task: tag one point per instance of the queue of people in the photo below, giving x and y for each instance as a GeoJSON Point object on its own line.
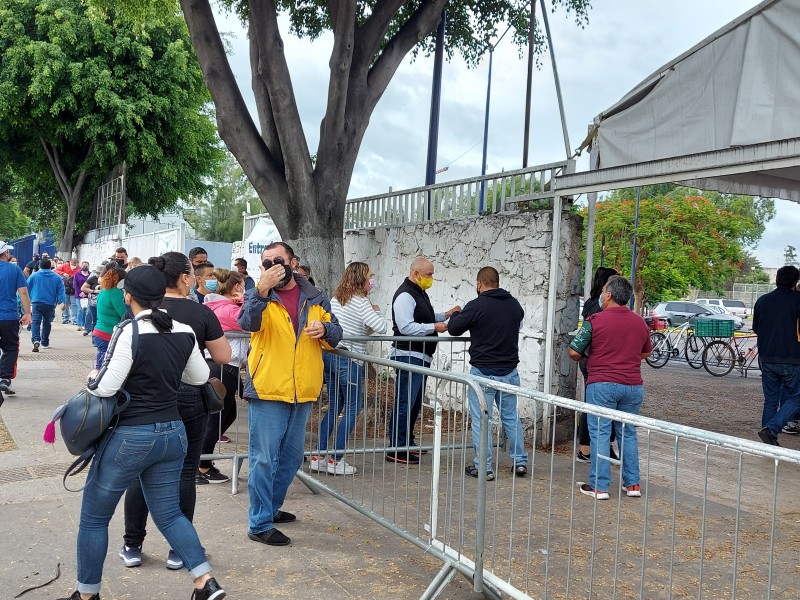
{"type": "Point", "coordinates": [188, 305]}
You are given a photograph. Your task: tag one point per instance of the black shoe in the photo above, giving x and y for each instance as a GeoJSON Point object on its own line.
{"type": "Point", "coordinates": [768, 437]}
{"type": "Point", "coordinates": [210, 591]}
{"type": "Point", "coordinates": [35, 347]}
{"type": "Point", "coordinates": [76, 595]}
{"type": "Point", "coordinates": [271, 537]}
{"type": "Point", "coordinates": [581, 457]}
{"type": "Point", "coordinates": [472, 471]}
{"type": "Point", "coordinates": [520, 470]}
{"type": "Point", "coordinates": [283, 517]}
{"type": "Point", "coordinates": [406, 458]}
{"type": "Point", "coordinates": [212, 476]}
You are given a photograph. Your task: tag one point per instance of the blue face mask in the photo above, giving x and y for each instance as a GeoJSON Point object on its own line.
{"type": "Point", "coordinates": [211, 285]}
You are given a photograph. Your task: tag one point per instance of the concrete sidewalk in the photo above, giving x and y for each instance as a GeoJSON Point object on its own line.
{"type": "Point", "coordinates": [335, 552]}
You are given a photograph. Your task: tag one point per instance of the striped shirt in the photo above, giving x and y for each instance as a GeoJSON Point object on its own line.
{"type": "Point", "coordinates": [357, 317]}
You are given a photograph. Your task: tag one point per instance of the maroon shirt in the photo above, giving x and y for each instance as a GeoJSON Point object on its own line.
{"type": "Point", "coordinates": [619, 337]}
{"type": "Point", "coordinates": [291, 301]}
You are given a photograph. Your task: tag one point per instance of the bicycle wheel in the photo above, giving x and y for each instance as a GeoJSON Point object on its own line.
{"type": "Point", "coordinates": [660, 354]}
{"type": "Point", "coordinates": [719, 358]}
{"type": "Point", "coordinates": [694, 351]}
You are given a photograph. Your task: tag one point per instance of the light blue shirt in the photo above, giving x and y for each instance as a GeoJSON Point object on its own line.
{"type": "Point", "coordinates": [403, 307]}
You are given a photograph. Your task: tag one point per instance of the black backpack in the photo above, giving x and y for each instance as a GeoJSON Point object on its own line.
{"type": "Point", "coordinates": [69, 285]}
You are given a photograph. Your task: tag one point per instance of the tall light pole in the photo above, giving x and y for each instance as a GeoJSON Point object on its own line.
{"type": "Point", "coordinates": [436, 96]}
{"type": "Point", "coordinates": [482, 199]}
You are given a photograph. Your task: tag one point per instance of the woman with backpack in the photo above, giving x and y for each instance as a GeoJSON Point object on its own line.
{"type": "Point", "coordinates": [148, 444]}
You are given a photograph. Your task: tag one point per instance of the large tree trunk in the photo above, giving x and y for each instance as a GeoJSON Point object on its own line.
{"type": "Point", "coordinates": [71, 194]}
{"type": "Point", "coordinates": [306, 199]}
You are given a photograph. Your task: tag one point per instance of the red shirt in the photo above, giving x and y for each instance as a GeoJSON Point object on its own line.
{"type": "Point", "coordinates": [66, 269]}
{"type": "Point", "coordinates": [619, 337]}
{"type": "Point", "coordinates": [291, 301]}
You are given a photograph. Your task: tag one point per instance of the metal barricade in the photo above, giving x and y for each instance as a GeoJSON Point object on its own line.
{"type": "Point", "coordinates": [422, 502]}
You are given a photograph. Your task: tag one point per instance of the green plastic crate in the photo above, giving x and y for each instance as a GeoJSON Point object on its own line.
{"type": "Point", "coordinates": [713, 328]}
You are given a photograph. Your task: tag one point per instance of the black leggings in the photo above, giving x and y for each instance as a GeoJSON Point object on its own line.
{"type": "Point", "coordinates": [219, 423]}
{"type": "Point", "coordinates": [583, 426]}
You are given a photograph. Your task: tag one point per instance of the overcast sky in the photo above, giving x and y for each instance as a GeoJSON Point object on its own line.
{"type": "Point", "coordinates": [624, 42]}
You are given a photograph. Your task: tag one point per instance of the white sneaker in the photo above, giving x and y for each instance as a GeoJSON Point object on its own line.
{"type": "Point", "coordinates": [340, 467]}
{"type": "Point", "coordinates": [318, 463]}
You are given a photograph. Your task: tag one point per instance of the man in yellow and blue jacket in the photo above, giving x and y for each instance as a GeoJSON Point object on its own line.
{"type": "Point", "coordinates": [290, 321]}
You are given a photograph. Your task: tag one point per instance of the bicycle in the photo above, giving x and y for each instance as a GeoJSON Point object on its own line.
{"type": "Point", "coordinates": [719, 356]}
{"type": "Point", "coordinates": [667, 346]}
{"type": "Point", "coordinates": [723, 356]}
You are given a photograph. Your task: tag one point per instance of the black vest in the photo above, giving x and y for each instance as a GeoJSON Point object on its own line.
{"type": "Point", "coordinates": [423, 313]}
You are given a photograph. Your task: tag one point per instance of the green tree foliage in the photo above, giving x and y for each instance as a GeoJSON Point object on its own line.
{"type": "Point", "coordinates": [82, 91]}
{"type": "Point", "coordinates": [13, 223]}
{"type": "Point", "coordinates": [217, 216]}
{"type": "Point", "coordinates": [371, 38]}
{"type": "Point", "coordinates": [682, 242]}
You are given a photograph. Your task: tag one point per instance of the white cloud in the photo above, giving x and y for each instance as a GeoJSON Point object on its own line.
{"type": "Point", "coordinates": [624, 43]}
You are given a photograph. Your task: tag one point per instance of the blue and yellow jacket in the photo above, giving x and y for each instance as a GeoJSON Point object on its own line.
{"type": "Point", "coordinates": [282, 366]}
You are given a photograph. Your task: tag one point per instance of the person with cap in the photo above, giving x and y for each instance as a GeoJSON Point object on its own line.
{"type": "Point", "coordinates": [12, 282]}
{"type": "Point", "coordinates": [177, 272]}
{"type": "Point", "coordinates": [165, 354]}
{"type": "Point", "coordinates": [46, 292]}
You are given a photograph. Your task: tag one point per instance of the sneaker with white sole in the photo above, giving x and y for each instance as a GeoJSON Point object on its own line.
{"type": "Point", "coordinates": [131, 555]}
{"type": "Point", "coordinates": [340, 467]}
{"type": "Point", "coordinates": [318, 463]}
{"type": "Point", "coordinates": [174, 561]}
{"type": "Point", "coordinates": [791, 428]}
{"type": "Point", "coordinates": [5, 386]}
{"type": "Point", "coordinates": [634, 491]}
{"type": "Point", "coordinates": [590, 491]}
{"type": "Point", "coordinates": [35, 347]}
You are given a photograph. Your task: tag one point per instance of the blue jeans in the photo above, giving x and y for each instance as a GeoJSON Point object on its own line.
{"type": "Point", "coordinates": [91, 318]}
{"type": "Point", "coordinates": [507, 403]}
{"type": "Point", "coordinates": [409, 389]}
{"type": "Point", "coordinates": [194, 417]}
{"type": "Point", "coordinates": [77, 312]}
{"type": "Point", "coordinates": [42, 316]}
{"type": "Point", "coordinates": [625, 398]}
{"type": "Point", "coordinates": [277, 440]}
{"type": "Point", "coordinates": [781, 386]}
{"type": "Point", "coordinates": [65, 312]}
{"type": "Point", "coordinates": [153, 453]}
{"type": "Point", "coordinates": [344, 378]}
{"type": "Point", "coordinates": [102, 346]}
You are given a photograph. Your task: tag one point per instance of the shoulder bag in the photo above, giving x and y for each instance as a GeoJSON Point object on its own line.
{"type": "Point", "coordinates": [213, 393]}
{"type": "Point", "coordinates": [85, 418]}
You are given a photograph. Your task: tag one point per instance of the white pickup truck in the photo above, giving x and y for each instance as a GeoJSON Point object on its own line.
{"type": "Point", "coordinates": [736, 307]}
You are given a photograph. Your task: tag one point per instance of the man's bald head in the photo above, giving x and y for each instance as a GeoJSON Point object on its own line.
{"type": "Point", "coordinates": [421, 266]}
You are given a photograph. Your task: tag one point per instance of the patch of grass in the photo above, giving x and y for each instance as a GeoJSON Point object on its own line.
{"type": "Point", "coordinates": [6, 441]}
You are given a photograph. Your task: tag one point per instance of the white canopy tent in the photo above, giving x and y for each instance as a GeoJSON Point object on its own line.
{"type": "Point", "coordinates": [725, 115]}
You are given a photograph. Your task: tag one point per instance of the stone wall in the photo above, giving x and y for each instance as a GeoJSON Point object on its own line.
{"type": "Point", "coordinates": [517, 245]}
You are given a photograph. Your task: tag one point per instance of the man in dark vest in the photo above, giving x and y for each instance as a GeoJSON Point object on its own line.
{"type": "Point", "coordinates": [412, 315]}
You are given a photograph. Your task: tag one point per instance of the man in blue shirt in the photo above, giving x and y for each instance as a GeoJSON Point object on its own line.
{"type": "Point", "coordinates": [47, 290]}
{"type": "Point", "coordinates": [12, 282]}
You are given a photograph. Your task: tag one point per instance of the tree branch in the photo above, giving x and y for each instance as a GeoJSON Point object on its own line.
{"type": "Point", "coordinates": [269, 133]}
{"type": "Point", "coordinates": [421, 23]}
{"type": "Point", "coordinates": [235, 125]}
{"type": "Point", "coordinates": [273, 69]}
{"type": "Point", "coordinates": [376, 26]}
{"type": "Point", "coordinates": [58, 171]}
{"type": "Point", "coordinates": [332, 126]}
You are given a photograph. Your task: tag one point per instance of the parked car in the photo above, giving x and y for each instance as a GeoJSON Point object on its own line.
{"type": "Point", "coordinates": [678, 312]}
{"type": "Point", "coordinates": [736, 307]}
{"type": "Point", "coordinates": [721, 310]}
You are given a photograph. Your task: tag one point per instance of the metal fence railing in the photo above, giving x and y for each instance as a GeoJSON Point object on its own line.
{"type": "Point", "coordinates": [716, 518]}
{"type": "Point", "coordinates": [501, 192]}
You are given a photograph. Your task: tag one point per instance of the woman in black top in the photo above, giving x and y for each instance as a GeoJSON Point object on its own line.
{"type": "Point", "coordinates": [590, 307]}
{"type": "Point", "coordinates": [179, 276]}
{"type": "Point", "coordinates": [148, 443]}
